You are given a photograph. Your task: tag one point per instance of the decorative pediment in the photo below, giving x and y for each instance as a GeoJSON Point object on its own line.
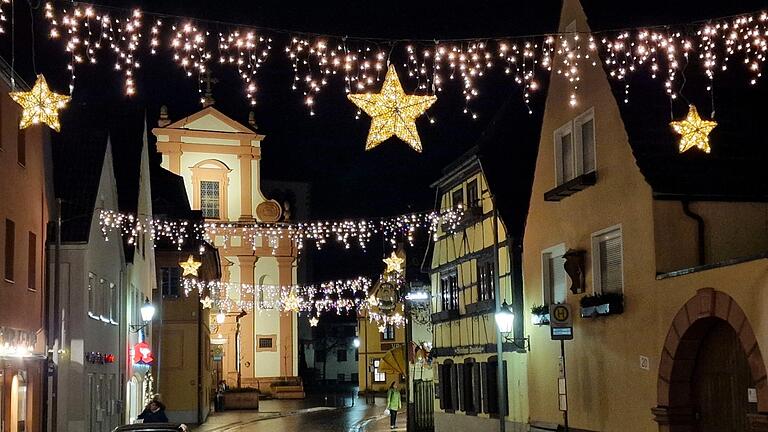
{"type": "Point", "coordinates": [211, 120]}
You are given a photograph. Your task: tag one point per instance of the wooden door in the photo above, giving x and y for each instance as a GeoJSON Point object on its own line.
{"type": "Point", "coordinates": [720, 382]}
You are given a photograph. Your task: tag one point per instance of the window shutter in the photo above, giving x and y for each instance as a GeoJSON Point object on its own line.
{"type": "Point", "coordinates": [454, 388]}
{"type": "Point", "coordinates": [566, 147]}
{"type": "Point", "coordinates": [476, 387]}
{"type": "Point", "coordinates": [588, 145]}
{"type": "Point", "coordinates": [460, 385]}
{"type": "Point", "coordinates": [558, 279]}
{"type": "Point", "coordinates": [484, 385]}
{"type": "Point", "coordinates": [440, 380]}
{"type": "Point", "coordinates": [611, 265]}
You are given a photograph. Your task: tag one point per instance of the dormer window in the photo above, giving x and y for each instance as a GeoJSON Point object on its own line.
{"type": "Point", "coordinates": [457, 197]}
{"type": "Point", "coordinates": [472, 194]}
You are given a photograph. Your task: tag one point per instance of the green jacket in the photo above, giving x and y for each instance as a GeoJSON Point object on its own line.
{"type": "Point", "coordinates": [393, 400]}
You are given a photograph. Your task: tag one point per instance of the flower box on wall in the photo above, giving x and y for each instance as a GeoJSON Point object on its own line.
{"type": "Point", "coordinates": [601, 305]}
{"type": "Point", "coordinates": [540, 315]}
{"type": "Point", "coordinates": [539, 320]}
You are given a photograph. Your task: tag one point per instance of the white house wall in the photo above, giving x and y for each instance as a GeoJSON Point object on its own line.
{"type": "Point", "coordinates": [84, 334]}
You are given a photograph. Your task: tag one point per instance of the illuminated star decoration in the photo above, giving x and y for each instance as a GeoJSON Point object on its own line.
{"type": "Point", "coordinates": [190, 266]}
{"type": "Point", "coordinates": [694, 132]}
{"type": "Point", "coordinates": [207, 302]}
{"type": "Point", "coordinates": [393, 113]}
{"type": "Point", "coordinates": [40, 105]}
{"type": "Point", "coordinates": [313, 321]}
{"type": "Point", "coordinates": [373, 301]}
{"type": "Point", "coordinates": [394, 263]}
{"type": "Point", "coordinates": [383, 328]}
{"type": "Point", "coordinates": [292, 303]}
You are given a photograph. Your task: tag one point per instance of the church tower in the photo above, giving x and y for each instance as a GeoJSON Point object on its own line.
{"type": "Point", "coordinates": [219, 161]}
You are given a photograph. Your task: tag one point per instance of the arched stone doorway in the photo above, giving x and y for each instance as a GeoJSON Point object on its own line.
{"type": "Point", "coordinates": [710, 357]}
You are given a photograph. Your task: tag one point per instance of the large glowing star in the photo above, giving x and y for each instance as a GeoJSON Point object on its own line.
{"type": "Point", "coordinates": [694, 132]}
{"type": "Point", "coordinates": [40, 105]}
{"type": "Point", "coordinates": [207, 302]}
{"type": "Point", "coordinates": [190, 266]}
{"type": "Point", "coordinates": [142, 353]}
{"type": "Point", "coordinates": [394, 263]}
{"type": "Point", "coordinates": [393, 113]}
{"type": "Point", "coordinates": [313, 321]}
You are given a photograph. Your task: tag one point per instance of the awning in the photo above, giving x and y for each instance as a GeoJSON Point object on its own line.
{"type": "Point", "coordinates": [393, 361]}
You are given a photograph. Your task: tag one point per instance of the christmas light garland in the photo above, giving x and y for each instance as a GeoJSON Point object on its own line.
{"type": "Point", "coordinates": [346, 232]}
{"type": "Point", "coordinates": [360, 63]}
{"type": "Point", "coordinates": [340, 296]}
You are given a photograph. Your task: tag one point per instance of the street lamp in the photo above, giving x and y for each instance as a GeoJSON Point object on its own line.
{"type": "Point", "coordinates": [356, 342]}
{"type": "Point", "coordinates": [147, 313]}
{"type": "Point", "coordinates": [221, 317]}
{"type": "Point", "coordinates": [505, 321]}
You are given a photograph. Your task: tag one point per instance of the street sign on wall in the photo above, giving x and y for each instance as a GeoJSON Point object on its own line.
{"type": "Point", "coordinates": [561, 322]}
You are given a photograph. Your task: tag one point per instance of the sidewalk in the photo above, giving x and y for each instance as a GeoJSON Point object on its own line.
{"type": "Point", "coordinates": [381, 423]}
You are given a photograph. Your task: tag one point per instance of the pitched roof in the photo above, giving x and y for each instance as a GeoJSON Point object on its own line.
{"type": "Point", "coordinates": [734, 170]}
{"type": "Point", "coordinates": [512, 131]}
{"type": "Point", "coordinates": [169, 195]}
{"type": "Point", "coordinates": [78, 158]}
{"type": "Point", "coordinates": [231, 126]}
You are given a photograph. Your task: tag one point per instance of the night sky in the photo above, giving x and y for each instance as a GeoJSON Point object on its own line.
{"type": "Point", "coordinates": [327, 150]}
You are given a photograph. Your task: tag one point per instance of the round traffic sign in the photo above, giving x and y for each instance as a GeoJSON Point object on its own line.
{"type": "Point", "coordinates": [560, 313]}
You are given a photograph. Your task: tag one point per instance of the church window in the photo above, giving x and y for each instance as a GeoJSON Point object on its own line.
{"type": "Point", "coordinates": [210, 198]}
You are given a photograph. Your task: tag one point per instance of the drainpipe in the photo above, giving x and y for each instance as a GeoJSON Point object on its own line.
{"type": "Point", "coordinates": [502, 397]}
{"type": "Point", "coordinates": [700, 230]}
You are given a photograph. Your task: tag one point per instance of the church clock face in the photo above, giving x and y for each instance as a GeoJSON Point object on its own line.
{"type": "Point", "coordinates": [387, 296]}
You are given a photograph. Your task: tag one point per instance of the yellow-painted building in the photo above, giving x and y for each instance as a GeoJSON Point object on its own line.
{"type": "Point", "coordinates": [219, 160]}
{"type": "Point", "coordinates": [375, 342]}
{"type": "Point", "coordinates": [183, 369]}
{"type": "Point", "coordinates": [682, 349]}
{"type": "Point", "coordinates": [464, 304]}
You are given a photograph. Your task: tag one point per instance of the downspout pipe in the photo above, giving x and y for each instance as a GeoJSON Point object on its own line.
{"type": "Point", "coordinates": [700, 226]}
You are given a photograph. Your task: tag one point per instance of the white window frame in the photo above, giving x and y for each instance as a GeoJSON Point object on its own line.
{"type": "Point", "coordinates": [93, 298]}
{"type": "Point", "coordinates": [573, 127]}
{"type": "Point", "coordinates": [378, 377]}
{"type": "Point", "coordinates": [578, 150]}
{"type": "Point", "coordinates": [597, 237]}
{"type": "Point", "coordinates": [114, 304]}
{"type": "Point", "coordinates": [546, 254]}
{"type": "Point", "coordinates": [104, 300]}
{"type": "Point", "coordinates": [557, 138]}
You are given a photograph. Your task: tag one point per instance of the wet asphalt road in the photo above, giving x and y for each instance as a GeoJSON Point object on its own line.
{"type": "Point", "coordinates": [359, 418]}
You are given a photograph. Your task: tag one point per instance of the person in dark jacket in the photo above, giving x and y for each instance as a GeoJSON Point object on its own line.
{"type": "Point", "coordinates": [154, 412]}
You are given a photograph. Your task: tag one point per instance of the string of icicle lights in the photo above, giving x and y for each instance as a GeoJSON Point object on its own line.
{"type": "Point", "coordinates": [197, 46]}
{"type": "Point", "coordinates": [258, 234]}
{"type": "Point", "coordinates": [340, 296]}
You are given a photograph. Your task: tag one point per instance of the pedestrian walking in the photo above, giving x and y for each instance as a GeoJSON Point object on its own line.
{"type": "Point", "coordinates": [393, 403]}
{"type": "Point", "coordinates": [154, 412]}
{"type": "Point", "coordinates": [220, 389]}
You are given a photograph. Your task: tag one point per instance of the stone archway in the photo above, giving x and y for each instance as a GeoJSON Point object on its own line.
{"type": "Point", "coordinates": [675, 407]}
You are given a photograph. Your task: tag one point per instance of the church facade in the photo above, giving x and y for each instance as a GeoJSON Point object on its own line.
{"type": "Point", "coordinates": [219, 160]}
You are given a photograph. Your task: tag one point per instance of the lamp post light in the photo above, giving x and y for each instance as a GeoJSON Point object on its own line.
{"type": "Point", "coordinates": [505, 321]}
{"type": "Point", "coordinates": [147, 314]}
{"type": "Point", "coordinates": [356, 343]}
{"type": "Point", "coordinates": [221, 317]}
